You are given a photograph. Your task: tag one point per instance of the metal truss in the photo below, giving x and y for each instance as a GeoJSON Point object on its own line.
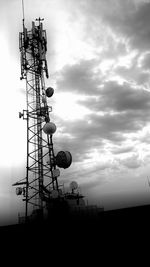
{"type": "Point", "coordinates": [40, 179]}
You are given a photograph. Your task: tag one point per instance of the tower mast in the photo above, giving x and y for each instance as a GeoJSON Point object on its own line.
{"type": "Point", "coordinates": [41, 172]}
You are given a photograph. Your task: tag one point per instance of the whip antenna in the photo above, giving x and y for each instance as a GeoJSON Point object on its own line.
{"type": "Point", "coordinates": [23, 9]}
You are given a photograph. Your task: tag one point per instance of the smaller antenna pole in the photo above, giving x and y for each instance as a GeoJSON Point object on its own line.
{"type": "Point", "coordinates": [23, 9]}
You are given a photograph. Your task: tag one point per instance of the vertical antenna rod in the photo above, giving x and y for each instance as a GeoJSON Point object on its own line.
{"type": "Point", "coordinates": [23, 10]}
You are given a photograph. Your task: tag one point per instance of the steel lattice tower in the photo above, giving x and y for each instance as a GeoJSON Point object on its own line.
{"type": "Point", "coordinates": [41, 172]}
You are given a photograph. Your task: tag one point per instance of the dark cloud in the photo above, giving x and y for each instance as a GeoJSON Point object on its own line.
{"type": "Point", "coordinates": [105, 127]}
{"type": "Point", "coordinates": [125, 110]}
{"type": "Point", "coordinates": [79, 78]}
{"type": "Point", "coordinates": [133, 74]}
{"type": "Point", "coordinates": [120, 98]}
{"type": "Point", "coordinates": [124, 97]}
{"type": "Point", "coordinates": [88, 136]}
{"type": "Point", "coordinates": [80, 146]}
{"type": "Point", "coordinates": [131, 22]}
{"type": "Point", "coordinates": [117, 123]}
{"type": "Point", "coordinates": [127, 19]}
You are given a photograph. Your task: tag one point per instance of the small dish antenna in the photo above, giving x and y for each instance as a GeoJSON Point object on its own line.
{"type": "Point", "coordinates": [73, 185]}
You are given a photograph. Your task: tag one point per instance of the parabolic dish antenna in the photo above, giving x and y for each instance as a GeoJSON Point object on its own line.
{"type": "Point", "coordinates": [63, 159]}
{"type": "Point", "coordinates": [49, 91]}
{"type": "Point", "coordinates": [73, 185]}
{"type": "Point", "coordinates": [49, 128]}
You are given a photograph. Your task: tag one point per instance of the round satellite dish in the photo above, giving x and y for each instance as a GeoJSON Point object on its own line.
{"type": "Point", "coordinates": [73, 185]}
{"type": "Point", "coordinates": [49, 91]}
{"type": "Point", "coordinates": [49, 128]}
{"type": "Point", "coordinates": [63, 159]}
{"type": "Point", "coordinates": [54, 194]}
{"type": "Point", "coordinates": [18, 191]}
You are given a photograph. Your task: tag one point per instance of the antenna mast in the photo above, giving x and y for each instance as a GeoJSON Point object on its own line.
{"type": "Point", "coordinates": [40, 185]}
{"type": "Point", "coordinates": [23, 10]}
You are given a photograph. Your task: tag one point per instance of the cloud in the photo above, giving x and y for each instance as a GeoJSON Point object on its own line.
{"type": "Point", "coordinates": [122, 150]}
{"type": "Point", "coordinates": [132, 22]}
{"type": "Point", "coordinates": [116, 110]}
{"type": "Point", "coordinates": [112, 83]}
{"type": "Point", "coordinates": [127, 19]}
{"type": "Point", "coordinates": [124, 97]}
{"type": "Point", "coordinates": [145, 61]}
{"type": "Point", "coordinates": [135, 75]}
{"type": "Point", "coordinates": [87, 137]}
{"type": "Point", "coordinates": [132, 162]}
{"type": "Point", "coordinates": [79, 78]}
{"type": "Point", "coordinates": [120, 103]}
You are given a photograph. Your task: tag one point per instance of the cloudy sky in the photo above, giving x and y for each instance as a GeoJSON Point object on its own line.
{"type": "Point", "coordinates": [99, 64]}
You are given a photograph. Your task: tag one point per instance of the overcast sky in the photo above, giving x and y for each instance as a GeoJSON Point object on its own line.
{"type": "Point", "coordinates": [99, 64]}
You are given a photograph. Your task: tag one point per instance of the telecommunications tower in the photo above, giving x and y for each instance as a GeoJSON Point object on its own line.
{"type": "Point", "coordinates": [40, 186]}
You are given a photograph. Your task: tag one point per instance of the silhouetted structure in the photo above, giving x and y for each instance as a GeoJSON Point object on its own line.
{"type": "Point", "coordinates": [40, 186]}
{"type": "Point", "coordinates": [43, 196]}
